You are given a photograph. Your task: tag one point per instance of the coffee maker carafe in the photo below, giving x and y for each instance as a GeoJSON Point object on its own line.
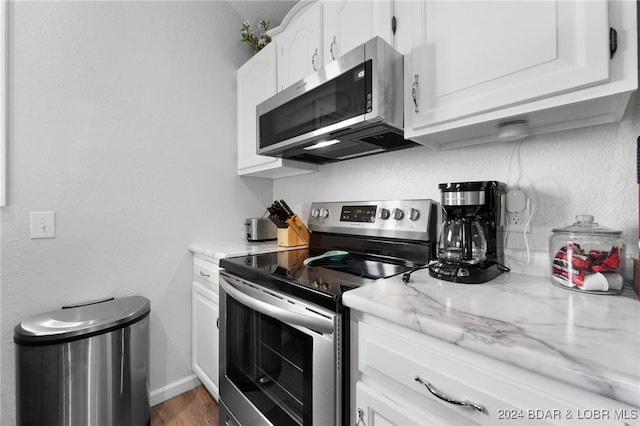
{"type": "Point", "coordinates": [470, 244]}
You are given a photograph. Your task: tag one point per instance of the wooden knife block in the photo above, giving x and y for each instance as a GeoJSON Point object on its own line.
{"type": "Point", "coordinates": [287, 237]}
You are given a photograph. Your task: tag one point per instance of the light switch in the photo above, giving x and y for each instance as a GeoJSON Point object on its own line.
{"type": "Point", "coordinates": [43, 225]}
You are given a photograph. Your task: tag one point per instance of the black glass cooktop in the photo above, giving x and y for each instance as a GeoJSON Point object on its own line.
{"type": "Point", "coordinates": [323, 281]}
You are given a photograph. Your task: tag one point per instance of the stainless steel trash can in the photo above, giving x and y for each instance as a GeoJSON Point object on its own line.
{"type": "Point", "coordinates": [83, 365]}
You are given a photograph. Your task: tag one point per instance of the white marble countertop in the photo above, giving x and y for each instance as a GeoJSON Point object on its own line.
{"type": "Point", "coordinates": [218, 250]}
{"type": "Point", "coordinates": [591, 341]}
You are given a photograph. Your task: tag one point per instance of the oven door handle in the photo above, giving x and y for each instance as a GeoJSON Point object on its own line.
{"type": "Point", "coordinates": [314, 322]}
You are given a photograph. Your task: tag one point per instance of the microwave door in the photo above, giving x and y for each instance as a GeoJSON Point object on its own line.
{"type": "Point", "coordinates": [316, 113]}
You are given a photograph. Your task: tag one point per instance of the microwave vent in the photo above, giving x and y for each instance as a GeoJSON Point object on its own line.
{"type": "Point", "coordinates": [383, 136]}
{"type": "Point", "coordinates": [386, 140]}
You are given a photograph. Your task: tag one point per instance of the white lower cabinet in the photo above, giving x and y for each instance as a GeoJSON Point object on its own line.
{"type": "Point", "coordinates": [403, 377]}
{"type": "Point", "coordinates": [381, 406]}
{"type": "Point", "coordinates": [204, 325]}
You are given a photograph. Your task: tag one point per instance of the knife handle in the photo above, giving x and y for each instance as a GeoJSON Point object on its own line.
{"type": "Point", "coordinates": [299, 228]}
{"type": "Point", "coordinates": [290, 212]}
{"type": "Point", "coordinates": [276, 221]}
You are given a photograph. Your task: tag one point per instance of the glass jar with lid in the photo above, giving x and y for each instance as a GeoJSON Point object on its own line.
{"type": "Point", "coordinates": [587, 257]}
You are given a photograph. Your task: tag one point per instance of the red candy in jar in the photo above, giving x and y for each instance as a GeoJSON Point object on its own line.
{"type": "Point", "coordinates": [583, 249]}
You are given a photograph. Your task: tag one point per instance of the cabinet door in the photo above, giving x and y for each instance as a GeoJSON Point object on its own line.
{"type": "Point", "coordinates": [205, 341]}
{"type": "Point", "coordinates": [256, 83]}
{"type": "Point", "coordinates": [408, 25]}
{"type": "Point", "coordinates": [300, 47]}
{"type": "Point", "coordinates": [348, 23]}
{"type": "Point", "coordinates": [476, 57]}
{"type": "Point", "coordinates": [382, 407]}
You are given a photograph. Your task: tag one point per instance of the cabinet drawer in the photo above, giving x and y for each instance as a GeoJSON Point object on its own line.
{"type": "Point", "coordinates": [503, 398]}
{"type": "Point", "coordinates": [207, 271]}
{"type": "Point", "coordinates": [379, 405]}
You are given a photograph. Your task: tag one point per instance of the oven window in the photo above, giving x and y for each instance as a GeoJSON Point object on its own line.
{"type": "Point", "coordinates": [270, 363]}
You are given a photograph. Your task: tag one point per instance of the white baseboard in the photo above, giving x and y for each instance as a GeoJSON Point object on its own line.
{"type": "Point", "coordinates": [173, 389]}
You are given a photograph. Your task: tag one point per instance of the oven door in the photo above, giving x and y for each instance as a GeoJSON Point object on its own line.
{"type": "Point", "coordinates": [279, 357]}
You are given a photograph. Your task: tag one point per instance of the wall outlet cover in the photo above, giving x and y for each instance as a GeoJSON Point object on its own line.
{"type": "Point", "coordinates": [517, 222]}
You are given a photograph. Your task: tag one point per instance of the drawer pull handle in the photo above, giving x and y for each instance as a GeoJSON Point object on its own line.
{"type": "Point", "coordinates": [447, 398]}
{"type": "Point", "coordinates": [202, 274]}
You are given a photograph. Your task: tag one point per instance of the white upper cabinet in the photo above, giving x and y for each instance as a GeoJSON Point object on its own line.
{"type": "Point", "coordinates": [480, 56]}
{"type": "Point", "coordinates": [296, 52]}
{"type": "Point", "coordinates": [476, 65]}
{"type": "Point", "coordinates": [257, 81]}
{"type": "Point", "coordinates": [300, 44]}
{"type": "Point", "coordinates": [315, 33]}
{"type": "Point", "coordinates": [407, 24]}
{"type": "Point", "coordinates": [349, 23]}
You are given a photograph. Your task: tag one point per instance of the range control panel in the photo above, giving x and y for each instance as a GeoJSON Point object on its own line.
{"type": "Point", "coordinates": [358, 214]}
{"type": "Point", "coordinates": [409, 219]}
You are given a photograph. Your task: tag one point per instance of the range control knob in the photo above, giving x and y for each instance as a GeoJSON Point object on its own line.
{"type": "Point", "coordinates": [315, 213]}
{"type": "Point", "coordinates": [324, 213]}
{"type": "Point", "coordinates": [398, 214]}
{"type": "Point", "coordinates": [384, 214]}
{"type": "Point", "coordinates": [414, 214]}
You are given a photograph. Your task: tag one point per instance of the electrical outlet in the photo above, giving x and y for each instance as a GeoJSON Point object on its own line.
{"type": "Point", "coordinates": [516, 222]}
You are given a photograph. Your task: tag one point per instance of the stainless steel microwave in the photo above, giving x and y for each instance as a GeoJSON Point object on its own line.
{"type": "Point", "coordinates": [350, 108]}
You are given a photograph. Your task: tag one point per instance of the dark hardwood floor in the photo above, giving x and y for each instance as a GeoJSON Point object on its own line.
{"type": "Point", "coordinates": [193, 408]}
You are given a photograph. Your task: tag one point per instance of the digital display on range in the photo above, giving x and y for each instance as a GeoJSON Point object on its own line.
{"type": "Point", "coordinates": [358, 214]}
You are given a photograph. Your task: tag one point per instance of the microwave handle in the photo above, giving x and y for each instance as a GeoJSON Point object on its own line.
{"type": "Point", "coordinates": [316, 323]}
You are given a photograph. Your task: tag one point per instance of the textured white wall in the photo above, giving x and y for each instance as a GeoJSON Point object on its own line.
{"type": "Point", "coordinates": [591, 170]}
{"type": "Point", "coordinates": [122, 121]}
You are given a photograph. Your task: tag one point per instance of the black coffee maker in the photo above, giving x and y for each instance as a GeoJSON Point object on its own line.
{"type": "Point", "coordinates": [470, 244]}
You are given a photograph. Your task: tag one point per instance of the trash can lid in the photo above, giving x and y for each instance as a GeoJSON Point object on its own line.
{"type": "Point", "coordinates": [81, 321]}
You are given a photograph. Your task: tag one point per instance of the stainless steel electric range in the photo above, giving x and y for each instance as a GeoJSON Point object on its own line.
{"type": "Point", "coordinates": [284, 333]}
